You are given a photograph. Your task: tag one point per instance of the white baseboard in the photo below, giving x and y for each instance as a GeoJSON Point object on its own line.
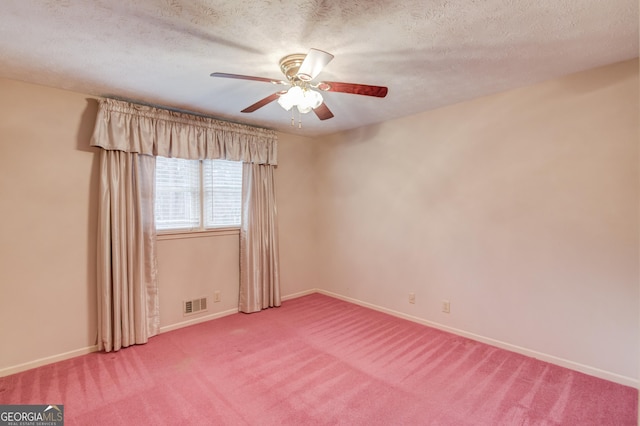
{"type": "Point", "coordinates": [299, 294]}
{"type": "Point", "coordinates": [78, 352]}
{"type": "Point", "coordinates": [47, 360]}
{"type": "Point", "coordinates": [198, 320]}
{"type": "Point", "coordinates": [83, 351]}
{"type": "Point", "coordinates": [606, 375]}
{"type": "Point", "coordinates": [224, 313]}
{"type": "Point", "coordinates": [592, 371]}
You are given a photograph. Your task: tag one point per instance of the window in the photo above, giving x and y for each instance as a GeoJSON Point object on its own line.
{"type": "Point", "coordinates": [197, 194]}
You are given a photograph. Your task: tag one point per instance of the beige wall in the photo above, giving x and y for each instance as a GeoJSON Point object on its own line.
{"type": "Point", "coordinates": [297, 214]}
{"type": "Point", "coordinates": [520, 208]}
{"type": "Point", "coordinates": [48, 211]}
{"type": "Point", "coordinates": [48, 208]}
{"type": "Point", "coordinates": [191, 268]}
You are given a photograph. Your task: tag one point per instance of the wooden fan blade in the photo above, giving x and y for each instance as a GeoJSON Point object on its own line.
{"type": "Point", "coordinates": [313, 63]}
{"type": "Point", "coordinates": [323, 112]}
{"type": "Point", "coordinates": [247, 77]}
{"type": "Point", "coordinates": [262, 102]}
{"type": "Point", "coordinates": [355, 89]}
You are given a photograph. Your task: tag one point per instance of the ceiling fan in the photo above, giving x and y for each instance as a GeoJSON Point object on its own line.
{"type": "Point", "coordinates": [304, 94]}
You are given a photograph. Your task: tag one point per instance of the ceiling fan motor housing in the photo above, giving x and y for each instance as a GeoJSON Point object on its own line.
{"type": "Point", "coordinates": [290, 64]}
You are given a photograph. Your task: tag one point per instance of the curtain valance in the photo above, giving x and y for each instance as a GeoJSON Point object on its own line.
{"type": "Point", "coordinates": [128, 127]}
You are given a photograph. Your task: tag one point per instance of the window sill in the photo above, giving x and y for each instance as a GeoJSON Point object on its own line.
{"type": "Point", "coordinates": [218, 232]}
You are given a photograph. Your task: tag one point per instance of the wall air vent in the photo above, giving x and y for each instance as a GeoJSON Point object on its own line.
{"type": "Point", "coordinates": [194, 306]}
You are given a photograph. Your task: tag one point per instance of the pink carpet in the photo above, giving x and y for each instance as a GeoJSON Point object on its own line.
{"type": "Point", "coordinates": [318, 361]}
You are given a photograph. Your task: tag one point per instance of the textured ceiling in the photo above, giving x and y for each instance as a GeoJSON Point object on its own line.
{"type": "Point", "coordinates": [428, 53]}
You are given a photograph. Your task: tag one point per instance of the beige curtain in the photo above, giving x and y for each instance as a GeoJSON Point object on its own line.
{"type": "Point", "coordinates": [123, 126]}
{"type": "Point", "coordinates": [259, 263]}
{"type": "Point", "coordinates": [127, 285]}
{"type": "Point", "coordinates": [131, 136]}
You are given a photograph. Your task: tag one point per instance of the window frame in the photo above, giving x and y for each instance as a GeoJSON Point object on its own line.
{"type": "Point", "coordinates": [201, 231]}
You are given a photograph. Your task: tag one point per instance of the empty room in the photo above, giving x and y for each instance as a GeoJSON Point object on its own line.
{"type": "Point", "coordinates": [319, 213]}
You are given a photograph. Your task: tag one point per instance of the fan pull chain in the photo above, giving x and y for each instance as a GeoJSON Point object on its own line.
{"type": "Point", "coordinates": [293, 118]}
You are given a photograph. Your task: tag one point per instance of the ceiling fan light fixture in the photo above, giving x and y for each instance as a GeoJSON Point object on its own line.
{"type": "Point", "coordinates": [296, 94]}
{"type": "Point", "coordinates": [303, 109]}
{"type": "Point", "coordinates": [315, 98]}
{"type": "Point", "coordinates": [285, 101]}
{"type": "Point", "coordinates": [304, 99]}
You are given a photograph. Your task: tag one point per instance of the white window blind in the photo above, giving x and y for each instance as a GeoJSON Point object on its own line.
{"type": "Point", "coordinates": [222, 182]}
{"type": "Point", "coordinates": [177, 203]}
{"type": "Point", "coordinates": [195, 195]}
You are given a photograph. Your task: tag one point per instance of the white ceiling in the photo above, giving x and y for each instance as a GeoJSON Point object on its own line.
{"type": "Point", "coordinates": [429, 53]}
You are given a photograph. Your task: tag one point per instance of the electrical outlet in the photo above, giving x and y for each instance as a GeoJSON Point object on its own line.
{"type": "Point", "coordinates": [412, 298]}
{"type": "Point", "coordinates": [216, 297]}
{"type": "Point", "coordinates": [446, 306]}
